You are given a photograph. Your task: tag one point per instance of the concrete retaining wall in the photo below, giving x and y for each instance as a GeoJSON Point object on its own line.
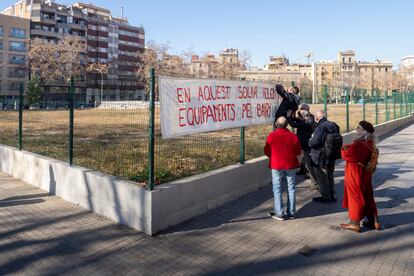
{"type": "Point", "coordinates": [122, 201]}
{"type": "Point", "coordinates": [148, 211]}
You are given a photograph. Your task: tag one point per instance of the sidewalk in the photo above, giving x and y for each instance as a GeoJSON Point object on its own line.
{"type": "Point", "coordinates": [46, 235]}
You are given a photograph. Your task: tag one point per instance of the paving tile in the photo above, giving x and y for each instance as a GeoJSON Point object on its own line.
{"type": "Point", "coordinates": [46, 235]}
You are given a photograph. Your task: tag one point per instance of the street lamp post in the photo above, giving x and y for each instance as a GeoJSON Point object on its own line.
{"type": "Point", "coordinates": [101, 84]}
{"type": "Point", "coordinates": [100, 71]}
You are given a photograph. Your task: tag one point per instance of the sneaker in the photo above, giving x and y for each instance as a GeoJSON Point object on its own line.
{"type": "Point", "coordinates": [273, 215]}
{"type": "Point", "coordinates": [314, 188]}
{"type": "Point", "coordinates": [321, 199]}
{"type": "Point", "coordinates": [291, 217]}
{"type": "Point", "coordinates": [300, 172]}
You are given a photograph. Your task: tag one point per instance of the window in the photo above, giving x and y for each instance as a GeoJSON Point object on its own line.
{"type": "Point", "coordinates": [17, 46]}
{"type": "Point", "coordinates": [1, 31]}
{"type": "Point", "coordinates": [17, 59]}
{"type": "Point", "coordinates": [350, 60]}
{"type": "Point", "coordinates": [17, 73]}
{"type": "Point", "coordinates": [18, 33]}
{"type": "Point", "coordinates": [1, 44]}
{"type": "Point", "coordinates": [14, 86]}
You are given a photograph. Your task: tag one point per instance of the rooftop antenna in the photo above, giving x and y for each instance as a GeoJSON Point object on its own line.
{"type": "Point", "coordinates": [122, 12]}
{"type": "Point", "coordinates": [309, 56]}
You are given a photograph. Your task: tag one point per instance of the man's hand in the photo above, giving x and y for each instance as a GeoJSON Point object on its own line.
{"type": "Point", "coordinates": [279, 88]}
{"type": "Point", "coordinates": [289, 113]}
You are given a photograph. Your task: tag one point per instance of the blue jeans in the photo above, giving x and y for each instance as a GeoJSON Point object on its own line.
{"type": "Point", "coordinates": [279, 177]}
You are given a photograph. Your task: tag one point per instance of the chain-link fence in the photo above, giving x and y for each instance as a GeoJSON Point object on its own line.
{"type": "Point", "coordinates": [109, 131]}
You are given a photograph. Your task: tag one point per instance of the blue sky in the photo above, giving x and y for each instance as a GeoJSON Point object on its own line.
{"type": "Point", "coordinates": [374, 29]}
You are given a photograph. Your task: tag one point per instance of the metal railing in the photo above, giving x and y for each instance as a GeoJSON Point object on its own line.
{"type": "Point", "coordinates": [128, 143]}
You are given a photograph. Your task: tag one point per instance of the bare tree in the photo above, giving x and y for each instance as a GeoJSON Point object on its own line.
{"type": "Point", "coordinates": [156, 56]}
{"type": "Point", "coordinates": [401, 80]}
{"type": "Point", "coordinates": [244, 60]}
{"type": "Point", "coordinates": [97, 68]}
{"type": "Point", "coordinates": [150, 57]}
{"type": "Point", "coordinates": [52, 62]}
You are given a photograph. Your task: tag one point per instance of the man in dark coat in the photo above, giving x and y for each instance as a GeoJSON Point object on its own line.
{"type": "Point", "coordinates": [324, 167]}
{"type": "Point", "coordinates": [305, 124]}
{"type": "Point", "coordinates": [290, 100]}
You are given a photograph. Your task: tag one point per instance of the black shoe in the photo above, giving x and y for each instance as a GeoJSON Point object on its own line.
{"type": "Point", "coordinates": [274, 216]}
{"type": "Point", "coordinates": [321, 199]}
{"type": "Point", "coordinates": [291, 217]}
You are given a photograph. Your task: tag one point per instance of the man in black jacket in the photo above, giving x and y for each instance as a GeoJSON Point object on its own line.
{"type": "Point", "coordinates": [290, 100]}
{"type": "Point", "coordinates": [324, 167]}
{"type": "Point", "coordinates": [305, 124]}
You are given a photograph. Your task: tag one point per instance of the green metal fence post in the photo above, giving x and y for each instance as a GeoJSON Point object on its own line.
{"type": "Point", "coordinates": [376, 106]}
{"type": "Point", "coordinates": [71, 115]}
{"type": "Point", "coordinates": [401, 106]}
{"type": "Point", "coordinates": [403, 102]}
{"type": "Point", "coordinates": [406, 103]}
{"type": "Point", "coordinates": [394, 104]}
{"type": "Point", "coordinates": [347, 109]}
{"type": "Point", "coordinates": [363, 104]}
{"type": "Point", "coordinates": [325, 100]}
{"type": "Point", "coordinates": [387, 114]}
{"type": "Point", "coordinates": [20, 134]}
{"type": "Point", "coordinates": [151, 131]}
{"type": "Point", "coordinates": [242, 129]}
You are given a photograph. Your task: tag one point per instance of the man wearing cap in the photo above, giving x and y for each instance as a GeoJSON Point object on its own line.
{"type": "Point", "coordinates": [358, 191]}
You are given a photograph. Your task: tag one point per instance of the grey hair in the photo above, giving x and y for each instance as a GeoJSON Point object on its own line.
{"type": "Point", "coordinates": [366, 136]}
{"type": "Point", "coordinates": [305, 113]}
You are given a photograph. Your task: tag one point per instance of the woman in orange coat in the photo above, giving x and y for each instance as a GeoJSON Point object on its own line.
{"type": "Point", "coordinates": [358, 191]}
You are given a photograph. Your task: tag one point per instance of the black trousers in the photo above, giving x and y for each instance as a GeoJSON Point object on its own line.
{"type": "Point", "coordinates": [325, 176]}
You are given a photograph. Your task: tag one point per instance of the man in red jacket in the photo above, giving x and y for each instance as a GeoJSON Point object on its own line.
{"type": "Point", "coordinates": [283, 148]}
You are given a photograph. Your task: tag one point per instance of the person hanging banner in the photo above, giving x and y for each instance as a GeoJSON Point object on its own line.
{"type": "Point", "coordinates": [199, 105]}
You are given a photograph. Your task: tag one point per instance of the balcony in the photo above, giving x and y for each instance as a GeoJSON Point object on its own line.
{"type": "Point", "coordinates": [42, 32]}
{"type": "Point", "coordinates": [78, 27]}
{"type": "Point", "coordinates": [48, 21]}
{"type": "Point", "coordinates": [48, 9]}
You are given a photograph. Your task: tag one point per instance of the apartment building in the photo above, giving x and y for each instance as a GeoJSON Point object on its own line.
{"type": "Point", "coordinates": [280, 70]}
{"type": "Point", "coordinates": [108, 40]}
{"type": "Point", "coordinates": [348, 72]}
{"type": "Point", "coordinates": [406, 72]}
{"type": "Point", "coordinates": [112, 40]}
{"type": "Point", "coordinates": [14, 37]}
{"type": "Point", "coordinates": [212, 66]}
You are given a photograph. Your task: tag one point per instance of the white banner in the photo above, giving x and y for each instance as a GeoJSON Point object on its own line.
{"type": "Point", "coordinates": [199, 105]}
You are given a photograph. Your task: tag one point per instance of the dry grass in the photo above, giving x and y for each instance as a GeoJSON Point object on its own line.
{"type": "Point", "coordinates": [116, 141]}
